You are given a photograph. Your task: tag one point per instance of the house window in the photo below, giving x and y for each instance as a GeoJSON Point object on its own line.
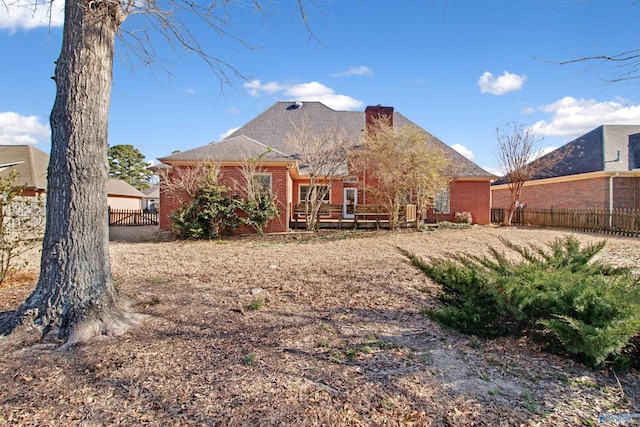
{"type": "Point", "coordinates": [304, 190]}
{"type": "Point", "coordinates": [441, 202]}
{"type": "Point", "coordinates": [263, 181]}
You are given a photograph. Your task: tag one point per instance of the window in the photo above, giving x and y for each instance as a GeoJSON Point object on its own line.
{"type": "Point", "coordinates": [441, 202]}
{"type": "Point", "coordinates": [263, 181]}
{"type": "Point", "coordinates": [304, 190]}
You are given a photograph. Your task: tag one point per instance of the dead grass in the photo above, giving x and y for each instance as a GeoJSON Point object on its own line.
{"type": "Point", "coordinates": [337, 339]}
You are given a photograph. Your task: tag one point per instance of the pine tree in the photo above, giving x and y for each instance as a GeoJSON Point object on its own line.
{"type": "Point", "coordinates": [127, 163]}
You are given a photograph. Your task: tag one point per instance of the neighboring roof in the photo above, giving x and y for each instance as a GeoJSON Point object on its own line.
{"type": "Point", "coordinates": [595, 151]}
{"type": "Point", "coordinates": [119, 188]}
{"type": "Point", "coordinates": [152, 192]}
{"type": "Point", "coordinates": [272, 127]}
{"type": "Point", "coordinates": [30, 163]}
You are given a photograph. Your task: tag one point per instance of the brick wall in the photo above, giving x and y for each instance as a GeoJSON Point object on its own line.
{"type": "Point", "coordinates": [231, 177]}
{"type": "Point", "coordinates": [467, 196]}
{"type": "Point", "coordinates": [585, 193]}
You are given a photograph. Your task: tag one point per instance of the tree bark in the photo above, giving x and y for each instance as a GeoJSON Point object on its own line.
{"type": "Point", "coordinates": [75, 297]}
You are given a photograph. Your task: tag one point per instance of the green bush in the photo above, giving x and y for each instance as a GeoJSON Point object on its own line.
{"type": "Point", "coordinates": [259, 210]}
{"type": "Point", "coordinates": [213, 213]}
{"type": "Point", "coordinates": [557, 294]}
{"type": "Point", "coordinates": [209, 215]}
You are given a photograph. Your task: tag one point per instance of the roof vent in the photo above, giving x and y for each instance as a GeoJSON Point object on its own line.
{"type": "Point", "coordinates": [295, 105]}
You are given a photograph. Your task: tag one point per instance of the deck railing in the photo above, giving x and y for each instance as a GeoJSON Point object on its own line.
{"type": "Point", "coordinates": [358, 215]}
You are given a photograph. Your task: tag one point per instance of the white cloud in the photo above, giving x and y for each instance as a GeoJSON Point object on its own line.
{"type": "Point", "coordinates": [362, 70]}
{"type": "Point", "coordinates": [312, 91]}
{"type": "Point", "coordinates": [256, 88]}
{"type": "Point", "coordinates": [573, 117]}
{"type": "Point", "coordinates": [233, 110]}
{"type": "Point", "coordinates": [492, 169]}
{"type": "Point", "coordinates": [464, 151]}
{"type": "Point", "coordinates": [22, 130]}
{"type": "Point", "coordinates": [227, 133]}
{"type": "Point", "coordinates": [507, 82]}
{"type": "Point", "coordinates": [528, 110]}
{"type": "Point", "coordinates": [189, 91]}
{"type": "Point", "coordinates": [29, 14]}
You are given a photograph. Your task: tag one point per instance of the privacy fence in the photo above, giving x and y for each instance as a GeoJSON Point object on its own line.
{"type": "Point", "coordinates": [623, 222]}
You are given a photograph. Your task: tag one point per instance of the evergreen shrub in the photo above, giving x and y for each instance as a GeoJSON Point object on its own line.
{"type": "Point", "coordinates": [557, 294]}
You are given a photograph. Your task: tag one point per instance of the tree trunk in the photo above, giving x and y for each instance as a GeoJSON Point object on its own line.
{"type": "Point", "coordinates": [75, 297]}
{"type": "Point", "coordinates": [514, 190]}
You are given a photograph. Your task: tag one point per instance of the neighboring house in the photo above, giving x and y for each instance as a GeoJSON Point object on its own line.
{"type": "Point", "coordinates": [32, 164]}
{"type": "Point", "coordinates": [151, 200]}
{"type": "Point", "coordinates": [266, 136]}
{"type": "Point", "coordinates": [122, 195]}
{"type": "Point", "coordinates": [600, 169]}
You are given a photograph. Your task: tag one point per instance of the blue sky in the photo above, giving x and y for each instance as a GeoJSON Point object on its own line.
{"type": "Point", "coordinates": [456, 68]}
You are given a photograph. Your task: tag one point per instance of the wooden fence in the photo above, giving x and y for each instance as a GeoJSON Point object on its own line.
{"type": "Point", "coordinates": [135, 217]}
{"type": "Point", "coordinates": [624, 222]}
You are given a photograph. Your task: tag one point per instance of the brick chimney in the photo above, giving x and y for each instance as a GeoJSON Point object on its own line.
{"type": "Point", "coordinates": [373, 113]}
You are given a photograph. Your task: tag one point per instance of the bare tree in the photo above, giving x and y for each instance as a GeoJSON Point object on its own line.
{"type": "Point", "coordinates": [406, 165]}
{"type": "Point", "coordinates": [75, 297]}
{"type": "Point", "coordinates": [323, 156]}
{"type": "Point", "coordinates": [517, 148]}
{"type": "Point", "coordinates": [260, 205]}
{"type": "Point", "coordinates": [628, 62]}
{"type": "Point", "coordinates": [183, 183]}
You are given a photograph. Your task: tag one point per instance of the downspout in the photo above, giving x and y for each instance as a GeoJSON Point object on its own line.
{"type": "Point", "coordinates": [611, 198]}
{"type": "Point", "coordinates": [364, 186]}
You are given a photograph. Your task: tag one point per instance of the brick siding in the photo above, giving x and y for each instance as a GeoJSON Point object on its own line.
{"type": "Point", "coordinates": [467, 196]}
{"type": "Point", "coordinates": [231, 176]}
{"type": "Point", "coordinates": [579, 194]}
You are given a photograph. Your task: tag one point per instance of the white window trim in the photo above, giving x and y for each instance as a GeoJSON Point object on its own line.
{"type": "Point", "coordinates": [448, 194]}
{"type": "Point", "coordinates": [301, 200]}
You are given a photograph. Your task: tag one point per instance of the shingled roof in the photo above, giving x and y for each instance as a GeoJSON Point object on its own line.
{"type": "Point", "coordinates": [605, 148]}
{"type": "Point", "coordinates": [271, 128]}
{"type": "Point", "coordinates": [30, 163]}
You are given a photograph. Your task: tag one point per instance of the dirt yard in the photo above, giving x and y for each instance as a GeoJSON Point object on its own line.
{"type": "Point", "coordinates": [301, 331]}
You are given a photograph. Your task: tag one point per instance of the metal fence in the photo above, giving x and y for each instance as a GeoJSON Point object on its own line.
{"type": "Point", "coordinates": [24, 213]}
{"type": "Point", "coordinates": [624, 222]}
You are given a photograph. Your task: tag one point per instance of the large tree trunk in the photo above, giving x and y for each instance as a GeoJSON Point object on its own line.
{"type": "Point", "coordinates": [75, 297]}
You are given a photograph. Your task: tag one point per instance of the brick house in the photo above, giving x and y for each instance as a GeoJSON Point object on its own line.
{"type": "Point", "coordinates": [266, 135]}
{"type": "Point", "coordinates": [599, 169]}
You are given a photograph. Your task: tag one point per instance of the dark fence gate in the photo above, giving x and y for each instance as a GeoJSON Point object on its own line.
{"type": "Point", "coordinates": [132, 217]}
